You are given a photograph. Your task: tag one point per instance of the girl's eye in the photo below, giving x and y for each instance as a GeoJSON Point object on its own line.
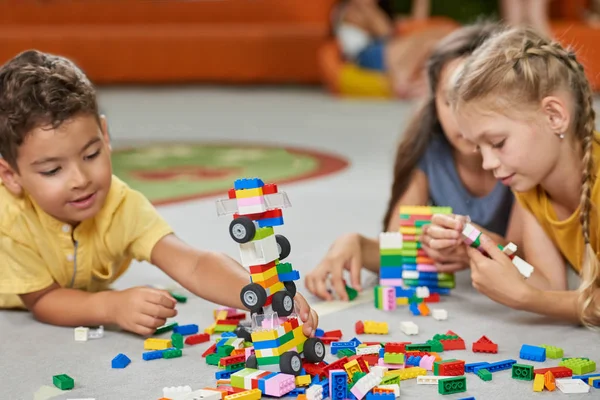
{"type": "Point", "coordinates": [499, 144]}
{"type": "Point", "coordinates": [51, 172]}
{"type": "Point", "coordinates": [92, 156]}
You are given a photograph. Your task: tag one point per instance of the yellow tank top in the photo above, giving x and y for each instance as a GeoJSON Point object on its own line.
{"type": "Point", "coordinates": [566, 234]}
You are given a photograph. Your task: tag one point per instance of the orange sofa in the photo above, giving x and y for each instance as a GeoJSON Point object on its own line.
{"type": "Point", "coordinates": [140, 41]}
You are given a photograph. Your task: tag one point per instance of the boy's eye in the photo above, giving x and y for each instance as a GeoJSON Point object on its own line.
{"type": "Point", "coordinates": [51, 172]}
{"type": "Point", "coordinates": [94, 155]}
{"type": "Point", "coordinates": [499, 144]}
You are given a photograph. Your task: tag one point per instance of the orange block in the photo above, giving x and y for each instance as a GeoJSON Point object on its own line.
{"type": "Point", "coordinates": [423, 309]}
{"type": "Point", "coordinates": [549, 381]}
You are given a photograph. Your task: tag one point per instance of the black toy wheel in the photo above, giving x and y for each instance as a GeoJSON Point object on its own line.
{"type": "Point", "coordinates": [290, 363]}
{"type": "Point", "coordinates": [251, 362]}
{"type": "Point", "coordinates": [290, 286]}
{"type": "Point", "coordinates": [284, 246]}
{"type": "Point", "coordinates": [283, 303]}
{"type": "Point", "coordinates": [243, 333]}
{"type": "Point", "coordinates": [242, 229]}
{"type": "Point", "coordinates": [314, 350]}
{"type": "Point", "coordinates": [253, 297]}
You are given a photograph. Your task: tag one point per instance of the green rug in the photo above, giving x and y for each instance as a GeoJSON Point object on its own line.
{"type": "Point", "coordinates": [168, 173]}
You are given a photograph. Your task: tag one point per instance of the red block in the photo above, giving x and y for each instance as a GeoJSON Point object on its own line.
{"type": "Point", "coordinates": [454, 368]}
{"type": "Point", "coordinates": [328, 340]}
{"type": "Point", "coordinates": [359, 328]}
{"type": "Point", "coordinates": [433, 298]}
{"type": "Point", "coordinates": [231, 193]}
{"type": "Point", "coordinates": [313, 369]}
{"type": "Point", "coordinates": [210, 350]}
{"type": "Point", "coordinates": [269, 188]}
{"type": "Point", "coordinates": [259, 269]}
{"type": "Point", "coordinates": [227, 322]}
{"type": "Point", "coordinates": [558, 372]}
{"type": "Point", "coordinates": [396, 347]}
{"type": "Point", "coordinates": [232, 360]}
{"type": "Point", "coordinates": [337, 333]}
{"type": "Point", "coordinates": [485, 345]}
{"type": "Point", "coordinates": [197, 339]}
{"type": "Point", "coordinates": [371, 359]}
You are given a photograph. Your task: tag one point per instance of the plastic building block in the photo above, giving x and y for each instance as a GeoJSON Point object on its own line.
{"type": "Point", "coordinates": [177, 340]}
{"type": "Point", "coordinates": [553, 352]}
{"type": "Point", "coordinates": [157, 344]}
{"type": "Point", "coordinates": [81, 334]}
{"type": "Point", "coordinates": [97, 333]}
{"type": "Point", "coordinates": [497, 366]}
{"type": "Point", "coordinates": [439, 314]}
{"type": "Point", "coordinates": [359, 327]}
{"type": "Point", "coordinates": [165, 328]}
{"type": "Point", "coordinates": [558, 372]}
{"type": "Point", "coordinates": [484, 374]}
{"type": "Point", "coordinates": [429, 379]}
{"type": "Point", "coordinates": [176, 391]}
{"type": "Point", "coordinates": [470, 367]}
{"type": "Point", "coordinates": [63, 382]}
{"type": "Point", "coordinates": [579, 366]}
{"type": "Point", "coordinates": [172, 353]}
{"type": "Point", "coordinates": [538, 383]}
{"type": "Point", "coordinates": [532, 353]}
{"type": "Point", "coordinates": [409, 328]}
{"type": "Point", "coordinates": [120, 361]}
{"type": "Point", "coordinates": [378, 328]}
{"type": "Point", "coordinates": [179, 297]}
{"type": "Point", "coordinates": [570, 386]}
{"type": "Point", "coordinates": [452, 385]}
{"type": "Point", "coordinates": [522, 372]}
{"type": "Point", "coordinates": [485, 345]}
{"type": "Point", "coordinates": [549, 381]}
{"type": "Point", "coordinates": [186, 329]}
{"type": "Point", "coordinates": [351, 292]}
{"type": "Point", "coordinates": [197, 339]}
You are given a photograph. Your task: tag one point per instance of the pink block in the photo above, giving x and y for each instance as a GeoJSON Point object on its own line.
{"type": "Point", "coordinates": [357, 392]}
{"type": "Point", "coordinates": [280, 385]}
{"type": "Point", "coordinates": [390, 366]}
{"type": "Point", "coordinates": [389, 299]}
{"type": "Point", "coordinates": [251, 201]}
{"type": "Point", "coordinates": [391, 282]}
{"type": "Point", "coordinates": [427, 362]}
{"type": "Point", "coordinates": [426, 268]}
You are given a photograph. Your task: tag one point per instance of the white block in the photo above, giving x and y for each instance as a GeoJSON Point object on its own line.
{"type": "Point", "coordinates": [568, 385]}
{"type": "Point", "coordinates": [510, 249]}
{"type": "Point", "coordinates": [523, 266]}
{"type": "Point", "coordinates": [365, 384]}
{"type": "Point", "coordinates": [378, 370]}
{"type": "Point", "coordinates": [81, 333]}
{"type": "Point", "coordinates": [409, 328]}
{"type": "Point", "coordinates": [253, 209]}
{"type": "Point", "coordinates": [422, 292]}
{"type": "Point", "coordinates": [314, 392]}
{"type": "Point", "coordinates": [390, 240]}
{"type": "Point", "coordinates": [410, 275]}
{"type": "Point", "coordinates": [373, 349]}
{"type": "Point", "coordinates": [439, 314]}
{"type": "Point", "coordinates": [258, 252]}
{"type": "Point", "coordinates": [429, 379]}
{"type": "Point", "coordinates": [96, 333]}
{"type": "Point", "coordinates": [172, 392]}
{"type": "Point", "coordinates": [202, 394]}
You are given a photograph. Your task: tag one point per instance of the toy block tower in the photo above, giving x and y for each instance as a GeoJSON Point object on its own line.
{"type": "Point", "coordinates": [277, 331]}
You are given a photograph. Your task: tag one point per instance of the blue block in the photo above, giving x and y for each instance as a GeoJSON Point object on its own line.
{"type": "Point", "coordinates": [403, 292]}
{"type": "Point", "coordinates": [266, 344]}
{"type": "Point", "coordinates": [414, 308]}
{"type": "Point", "coordinates": [356, 341]}
{"type": "Point", "coordinates": [222, 342]}
{"type": "Point", "coordinates": [338, 386]}
{"type": "Point", "coordinates": [471, 366]}
{"type": "Point", "coordinates": [152, 355]}
{"type": "Point", "coordinates": [440, 291]}
{"type": "Point", "coordinates": [297, 391]}
{"type": "Point", "coordinates": [224, 374]}
{"type": "Point", "coordinates": [289, 276]}
{"type": "Point", "coordinates": [190, 329]}
{"type": "Point", "coordinates": [409, 267]}
{"type": "Point", "coordinates": [120, 361]}
{"type": "Point", "coordinates": [390, 273]}
{"type": "Point", "coordinates": [325, 385]}
{"type": "Point", "coordinates": [413, 360]}
{"type": "Point", "coordinates": [336, 346]}
{"type": "Point", "coordinates": [585, 378]}
{"type": "Point", "coordinates": [319, 332]}
{"type": "Point", "coordinates": [497, 366]}
{"type": "Point", "coordinates": [270, 222]}
{"type": "Point", "coordinates": [380, 396]}
{"type": "Point", "coordinates": [228, 335]}
{"type": "Point", "coordinates": [532, 353]}
{"type": "Point", "coordinates": [247, 183]}
{"type": "Point", "coordinates": [381, 352]}
{"type": "Point", "coordinates": [467, 398]}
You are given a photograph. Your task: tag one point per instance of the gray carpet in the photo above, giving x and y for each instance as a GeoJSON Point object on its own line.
{"type": "Point", "coordinates": [365, 132]}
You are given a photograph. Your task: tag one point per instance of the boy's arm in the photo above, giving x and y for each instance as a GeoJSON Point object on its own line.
{"type": "Point", "coordinates": [212, 276]}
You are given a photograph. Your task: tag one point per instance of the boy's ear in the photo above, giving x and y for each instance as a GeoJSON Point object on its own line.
{"type": "Point", "coordinates": [557, 114]}
{"type": "Point", "coordinates": [104, 128]}
{"type": "Point", "coordinates": [10, 178]}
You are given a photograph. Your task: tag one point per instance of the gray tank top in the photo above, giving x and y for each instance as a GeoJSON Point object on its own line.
{"type": "Point", "coordinates": [446, 189]}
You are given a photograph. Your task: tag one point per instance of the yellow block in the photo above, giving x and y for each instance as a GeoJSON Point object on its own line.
{"type": "Point", "coordinates": [592, 380]}
{"type": "Point", "coordinates": [303, 380]}
{"type": "Point", "coordinates": [379, 328]}
{"type": "Point", "coordinates": [275, 288]}
{"type": "Point", "coordinates": [221, 315]}
{"type": "Point", "coordinates": [211, 328]}
{"type": "Point", "coordinates": [407, 373]}
{"type": "Point", "coordinates": [252, 394]}
{"type": "Point", "coordinates": [157, 344]}
{"type": "Point", "coordinates": [402, 301]}
{"type": "Point", "coordinates": [411, 230]}
{"type": "Point", "coordinates": [263, 276]}
{"type": "Point", "coordinates": [538, 383]}
{"type": "Point", "coordinates": [261, 336]}
{"type": "Point", "coordinates": [416, 210]}
{"type": "Point", "coordinates": [352, 367]}
{"type": "Point", "coordinates": [246, 193]}
{"type": "Point", "coordinates": [355, 81]}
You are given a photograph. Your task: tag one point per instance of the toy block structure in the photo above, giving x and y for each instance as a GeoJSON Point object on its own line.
{"type": "Point", "coordinates": [276, 331]}
{"type": "Point", "coordinates": [472, 235]}
{"type": "Point", "coordinates": [405, 268]}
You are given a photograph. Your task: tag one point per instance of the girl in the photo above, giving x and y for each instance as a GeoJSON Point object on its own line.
{"type": "Point", "coordinates": [525, 101]}
{"type": "Point", "coordinates": [434, 164]}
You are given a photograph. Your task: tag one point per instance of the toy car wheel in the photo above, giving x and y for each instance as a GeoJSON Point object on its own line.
{"type": "Point", "coordinates": [284, 246]}
{"type": "Point", "coordinates": [290, 363]}
{"type": "Point", "coordinates": [243, 333]}
{"type": "Point", "coordinates": [283, 303]}
{"type": "Point", "coordinates": [251, 362]}
{"type": "Point", "coordinates": [314, 350]}
{"type": "Point", "coordinates": [290, 286]}
{"type": "Point", "coordinates": [253, 297]}
{"type": "Point", "coordinates": [242, 229]}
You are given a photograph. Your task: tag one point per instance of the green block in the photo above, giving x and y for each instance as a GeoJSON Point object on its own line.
{"type": "Point", "coordinates": [352, 293]}
{"type": "Point", "coordinates": [378, 298]}
{"type": "Point", "coordinates": [356, 377]}
{"type": "Point", "coordinates": [165, 328]}
{"type": "Point", "coordinates": [522, 372]}
{"type": "Point", "coordinates": [410, 253]}
{"type": "Point", "coordinates": [418, 347]}
{"type": "Point", "coordinates": [283, 268]}
{"type": "Point", "coordinates": [345, 353]}
{"type": "Point", "coordinates": [436, 345]}
{"type": "Point", "coordinates": [440, 336]}
{"type": "Point", "coordinates": [225, 350]}
{"type": "Point", "coordinates": [63, 382]}
{"type": "Point", "coordinates": [393, 358]}
{"type": "Point", "coordinates": [179, 297]}
{"type": "Point", "coordinates": [415, 300]}
{"type": "Point", "coordinates": [213, 359]}
{"type": "Point", "coordinates": [391, 380]}
{"type": "Point", "coordinates": [579, 366]}
{"type": "Point", "coordinates": [441, 210]}
{"type": "Point", "coordinates": [237, 378]}
{"type": "Point", "coordinates": [177, 340]}
{"type": "Point", "coordinates": [391, 252]}
{"type": "Point", "coordinates": [234, 367]}
{"type": "Point", "coordinates": [443, 284]}
{"type": "Point", "coordinates": [390, 261]}
{"type": "Point", "coordinates": [262, 233]}
{"type": "Point", "coordinates": [553, 351]}
{"type": "Point", "coordinates": [452, 385]}
{"type": "Point", "coordinates": [421, 223]}
{"type": "Point", "coordinates": [268, 360]}
{"type": "Point", "coordinates": [484, 374]}
{"type": "Point", "coordinates": [409, 260]}
{"type": "Point", "coordinates": [225, 328]}
{"type": "Point", "coordinates": [437, 364]}
{"type": "Point", "coordinates": [173, 353]}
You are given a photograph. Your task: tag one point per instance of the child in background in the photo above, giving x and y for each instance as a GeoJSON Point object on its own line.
{"type": "Point", "coordinates": [69, 228]}
{"type": "Point", "coordinates": [434, 165]}
{"type": "Point", "coordinates": [525, 101]}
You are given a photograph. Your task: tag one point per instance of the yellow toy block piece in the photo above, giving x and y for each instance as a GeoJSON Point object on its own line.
{"type": "Point", "coordinates": [407, 373]}
{"type": "Point", "coordinates": [261, 336]}
{"type": "Point", "coordinates": [303, 380]}
{"type": "Point", "coordinates": [263, 276]}
{"type": "Point", "coordinates": [411, 230]}
{"type": "Point", "coordinates": [379, 328]}
{"type": "Point", "coordinates": [211, 328]}
{"type": "Point", "coordinates": [247, 193]}
{"type": "Point", "coordinates": [402, 301]}
{"type": "Point", "coordinates": [424, 309]}
{"type": "Point", "coordinates": [221, 315]}
{"type": "Point", "coordinates": [352, 367]}
{"type": "Point", "coordinates": [417, 210]}
{"type": "Point", "coordinates": [538, 383]}
{"type": "Point", "coordinates": [275, 288]}
{"type": "Point", "coordinates": [157, 344]}
{"type": "Point", "coordinates": [267, 283]}
{"type": "Point", "coordinates": [252, 394]}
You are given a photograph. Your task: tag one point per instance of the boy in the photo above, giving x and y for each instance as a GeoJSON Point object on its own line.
{"type": "Point", "coordinates": [68, 227]}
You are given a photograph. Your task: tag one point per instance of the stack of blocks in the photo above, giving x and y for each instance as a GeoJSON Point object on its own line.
{"type": "Point", "coordinates": [404, 264]}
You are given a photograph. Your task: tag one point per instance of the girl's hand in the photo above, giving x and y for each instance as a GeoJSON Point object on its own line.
{"type": "Point", "coordinates": [497, 277]}
{"type": "Point", "coordinates": [442, 240]}
{"type": "Point", "coordinates": [308, 316]}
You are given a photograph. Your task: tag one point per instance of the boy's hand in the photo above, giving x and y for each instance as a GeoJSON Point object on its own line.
{"type": "Point", "coordinates": [344, 254]}
{"type": "Point", "coordinates": [142, 309]}
{"type": "Point", "coordinates": [308, 316]}
{"type": "Point", "coordinates": [443, 242]}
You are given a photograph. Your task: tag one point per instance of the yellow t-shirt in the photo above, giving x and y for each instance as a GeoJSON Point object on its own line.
{"type": "Point", "coordinates": [36, 249]}
{"type": "Point", "coordinates": [566, 234]}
